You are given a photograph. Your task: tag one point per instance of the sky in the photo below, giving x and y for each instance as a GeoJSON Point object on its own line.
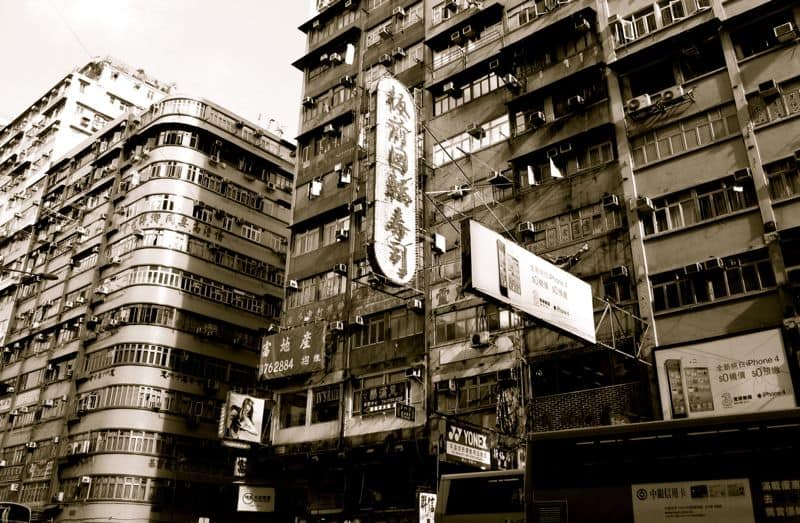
{"type": "Point", "coordinates": [236, 53]}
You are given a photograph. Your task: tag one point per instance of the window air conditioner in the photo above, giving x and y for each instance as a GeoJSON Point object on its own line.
{"type": "Point", "coordinates": [457, 191]}
{"type": "Point", "coordinates": [449, 88]}
{"type": "Point", "coordinates": [86, 480]}
{"type": "Point", "coordinates": [512, 82]}
{"type": "Point", "coordinates": [713, 264]}
{"type": "Point", "coordinates": [308, 102]}
{"type": "Point", "coordinates": [768, 89]}
{"type": "Point", "coordinates": [385, 59]}
{"type": "Point", "coordinates": [480, 339]}
{"type": "Point", "coordinates": [292, 285]}
{"type": "Point", "coordinates": [784, 32]}
{"type": "Point", "coordinates": [340, 268]}
{"type": "Point", "coordinates": [741, 174]}
{"type": "Point", "coordinates": [693, 268]}
{"type": "Point", "coordinates": [610, 201]}
{"type": "Point", "coordinates": [335, 58]}
{"type": "Point", "coordinates": [359, 321]}
{"type": "Point", "coordinates": [526, 228]}
{"type": "Point", "coordinates": [398, 53]}
{"type": "Point", "coordinates": [385, 32]}
{"type": "Point", "coordinates": [399, 12]}
{"type": "Point", "coordinates": [337, 326]}
{"type": "Point", "coordinates": [476, 131]}
{"type": "Point", "coordinates": [620, 271]}
{"type": "Point", "coordinates": [537, 118]}
{"type": "Point", "coordinates": [342, 234]}
{"type": "Point", "coordinates": [416, 304]}
{"type": "Point", "coordinates": [576, 102]}
{"type": "Point", "coordinates": [638, 103]}
{"type": "Point", "coordinates": [644, 204]}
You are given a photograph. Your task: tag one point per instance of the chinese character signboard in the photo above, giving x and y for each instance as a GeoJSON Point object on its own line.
{"type": "Point", "coordinates": [427, 507]}
{"type": "Point", "coordinates": [405, 411]}
{"type": "Point", "coordinates": [394, 235]}
{"type": "Point", "coordinates": [781, 500]}
{"type": "Point", "coordinates": [735, 375]}
{"type": "Point", "coordinates": [382, 398]}
{"type": "Point", "coordinates": [716, 500]}
{"type": "Point", "coordinates": [468, 445]}
{"type": "Point", "coordinates": [256, 499]}
{"type": "Point", "coordinates": [245, 417]}
{"type": "Point", "coordinates": [500, 269]}
{"type": "Point", "coordinates": [294, 351]}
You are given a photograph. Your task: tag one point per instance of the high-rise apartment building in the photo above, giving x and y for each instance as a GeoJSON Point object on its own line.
{"type": "Point", "coordinates": [76, 107]}
{"type": "Point", "coordinates": [647, 148]}
{"type": "Point", "coordinates": [154, 258]}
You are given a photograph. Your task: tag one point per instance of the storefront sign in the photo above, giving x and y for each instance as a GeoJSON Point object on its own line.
{"type": "Point", "coordinates": [468, 445]}
{"type": "Point", "coordinates": [499, 268]}
{"type": "Point", "coordinates": [691, 501]}
{"type": "Point", "coordinates": [427, 507]}
{"type": "Point", "coordinates": [781, 500]}
{"type": "Point", "coordinates": [244, 418]}
{"type": "Point", "coordinates": [294, 351]}
{"type": "Point", "coordinates": [394, 235]}
{"type": "Point", "coordinates": [382, 398]}
{"type": "Point", "coordinates": [405, 411]}
{"type": "Point", "coordinates": [735, 375]}
{"type": "Point", "coordinates": [256, 499]}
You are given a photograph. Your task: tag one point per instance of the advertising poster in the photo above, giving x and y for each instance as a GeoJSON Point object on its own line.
{"type": "Point", "coordinates": [427, 507]}
{"type": "Point", "coordinates": [294, 351]}
{"type": "Point", "coordinates": [735, 375]}
{"type": "Point", "coordinates": [781, 500]}
{"type": "Point", "coordinates": [720, 500]}
{"type": "Point", "coordinates": [503, 270]}
{"type": "Point", "coordinates": [256, 499]}
{"type": "Point", "coordinates": [468, 445]}
{"type": "Point", "coordinates": [244, 418]}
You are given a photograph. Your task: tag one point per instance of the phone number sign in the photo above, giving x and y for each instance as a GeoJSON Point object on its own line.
{"type": "Point", "coordinates": [295, 351]}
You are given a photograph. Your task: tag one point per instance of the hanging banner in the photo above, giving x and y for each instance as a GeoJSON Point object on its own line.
{"type": "Point", "coordinates": [393, 251]}
{"type": "Point", "coordinates": [294, 351]}
{"type": "Point", "coordinates": [245, 418]}
{"type": "Point", "coordinates": [735, 375]}
{"type": "Point", "coordinates": [501, 269]}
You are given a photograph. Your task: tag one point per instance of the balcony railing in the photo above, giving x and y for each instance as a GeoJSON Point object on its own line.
{"type": "Point", "coordinates": [665, 14]}
{"type": "Point", "coordinates": [488, 35]}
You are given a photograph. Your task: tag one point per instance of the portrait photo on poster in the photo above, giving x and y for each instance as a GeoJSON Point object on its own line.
{"type": "Point", "coordinates": [244, 418]}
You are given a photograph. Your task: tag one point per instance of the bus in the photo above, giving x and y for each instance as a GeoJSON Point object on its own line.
{"type": "Point", "coordinates": [14, 512]}
{"type": "Point", "coordinates": [496, 496]}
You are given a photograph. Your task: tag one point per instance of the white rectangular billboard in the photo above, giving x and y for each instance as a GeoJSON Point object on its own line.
{"type": "Point", "coordinates": [725, 500]}
{"type": "Point", "coordinates": [501, 269]}
{"type": "Point", "coordinates": [734, 375]}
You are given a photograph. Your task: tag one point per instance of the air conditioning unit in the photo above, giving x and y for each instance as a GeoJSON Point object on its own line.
{"type": "Point", "coordinates": [768, 89]}
{"type": "Point", "coordinates": [713, 264]}
{"type": "Point", "coordinates": [741, 174]}
{"type": "Point", "coordinates": [638, 103]}
{"type": "Point", "coordinates": [93, 319]}
{"type": "Point", "coordinates": [468, 32]}
{"type": "Point", "coordinates": [47, 403]}
{"type": "Point", "coordinates": [575, 102]}
{"type": "Point", "coordinates": [414, 373]}
{"type": "Point", "coordinates": [102, 290]}
{"type": "Point", "coordinates": [552, 153]}
{"type": "Point", "coordinates": [537, 118]}
{"type": "Point", "coordinates": [340, 268]}
{"type": "Point", "coordinates": [385, 32]}
{"type": "Point", "coordinates": [113, 322]}
{"type": "Point", "coordinates": [644, 204]}
{"type": "Point", "coordinates": [345, 177]}
{"type": "Point", "coordinates": [784, 32]}
{"type": "Point", "coordinates": [693, 268]}
{"type": "Point", "coordinates": [3, 463]}
{"type": "Point", "coordinates": [564, 148]}
{"type": "Point", "coordinates": [14, 487]}
{"type": "Point", "coordinates": [342, 234]}
{"type": "Point", "coordinates": [582, 25]}
{"type": "Point", "coordinates": [480, 339]}
{"type": "Point", "coordinates": [525, 228]}
{"type": "Point", "coordinates": [399, 12]}
{"type": "Point", "coordinates": [610, 201]}
{"type": "Point", "coordinates": [449, 88]}
{"type": "Point", "coordinates": [336, 58]}
{"type": "Point", "coordinates": [439, 243]}
{"type": "Point", "coordinates": [315, 24]}
{"type": "Point", "coordinates": [308, 102]}
{"type": "Point", "coordinates": [398, 53]}
{"type": "Point", "coordinates": [451, 5]}
{"type": "Point", "coordinates": [31, 445]}
{"type": "Point", "coordinates": [337, 326]}
{"type": "Point", "coordinates": [416, 304]}
{"type": "Point", "coordinates": [359, 321]}
{"type": "Point", "coordinates": [457, 191]}
{"type": "Point", "coordinates": [347, 81]}
{"type": "Point", "coordinates": [292, 285]}
{"type": "Point", "coordinates": [512, 82]}
{"type": "Point", "coordinates": [671, 95]}
{"type": "Point", "coordinates": [476, 131]}
{"type": "Point", "coordinates": [23, 410]}
{"type": "Point", "coordinates": [270, 186]}
{"type": "Point", "coordinates": [620, 271]}
{"type": "Point", "coordinates": [329, 130]}
{"type": "Point", "coordinates": [59, 497]}
{"type": "Point", "coordinates": [69, 304]}
{"type": "Point", "coordinates": [385, 59]}
{"type": "Point", "coordinates": [455, 37]}
{"type": "Point", "coordinates": [350, 4]}
{"type": "Point", "coordinates": [115, 260]}
{"type": "Point", "coordinates": [80, 300]}
{"type": "Point", "coordinates": [86, 480]}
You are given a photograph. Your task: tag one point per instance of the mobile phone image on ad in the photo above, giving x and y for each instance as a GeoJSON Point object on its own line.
{"type": "Point", "coordinates": [677, 395]}
{"type": "Point", "coordinates": [698, 389]}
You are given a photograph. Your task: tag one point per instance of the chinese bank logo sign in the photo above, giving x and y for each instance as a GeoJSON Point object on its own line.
{"type": "Point", "coordinates": [256, 499]}
{"type": "Point", "coordinates": [395, 227]}
{"type": "Point", "coordinates": [295, 351]}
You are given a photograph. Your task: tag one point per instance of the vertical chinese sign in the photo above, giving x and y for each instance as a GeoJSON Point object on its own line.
{"type": "Point", "coordinates": [294, 351]}
{"type": "Point", "coordinates": [395, 227]}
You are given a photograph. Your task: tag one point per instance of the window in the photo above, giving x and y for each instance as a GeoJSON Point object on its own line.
{"type": "Point", "coordinates": [768, 109]}
{"type": "Point", "coordinates": [373, 331]}
{"type": "Point", "coordinates": [742, 274]}
{"type": "Point", "coordinates": [462, 324]}
{"type": "Point", "coordinates": [325, 406]}
{"type": "Point", "coordinates": [454, 148]}
{"type": "Point", "coordinates": [702, 203]}
{"type": "Point", "coordinates": [293, 409]}
{"type": "Point", "coordinates": [476, 88]}
{"type": "Point", "coordinates": [759, 36]}
{"type": "Point", "coordinates": [377, 394]}
{"type": "Point", "coordinates": [252, 232]}
{"type": "Point", "coordinates": [784, 178]}
{"type": "Point", "coordinates": [686, 135]}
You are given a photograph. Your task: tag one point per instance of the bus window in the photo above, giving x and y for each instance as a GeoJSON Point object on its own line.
{"type": "Point", "coordinates": [485, 497]}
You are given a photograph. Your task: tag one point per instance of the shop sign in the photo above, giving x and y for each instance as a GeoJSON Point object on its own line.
{"type": "Point", "coordinates": [781, 499]}
{"type": "Point", "coordinates": [427, 507]}
{"type": "Point", "coordinates": [405, 411]}
{"type": "Point", "coordinates": [734, 375]}
{"type": "Point", "coordinates": [468, 445]}
{"type": "Point", "coordinates": [691, 501]}
{"type": "Point", "coordinates": [295, 351]}
{"type": "Point", "coordinates": [504, 271]}
{"type": "Point", "coordinates": [382, 398]}
{"type": "Point", "coordinates": [394, 234]}
{"type": "Point", "coordinates": [244, 418]}
{"type": "Point", "coordinates": [256, 499]}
